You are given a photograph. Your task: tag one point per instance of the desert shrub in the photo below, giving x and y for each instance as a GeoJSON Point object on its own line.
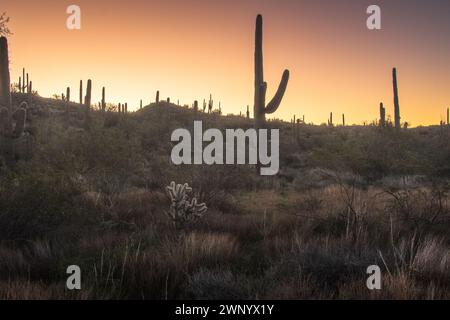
{"type": "Point", "coordinates": [36, 204]}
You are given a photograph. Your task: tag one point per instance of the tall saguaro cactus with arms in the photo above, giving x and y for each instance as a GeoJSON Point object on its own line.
{"type": "Point", "coordinates": [260, 107]}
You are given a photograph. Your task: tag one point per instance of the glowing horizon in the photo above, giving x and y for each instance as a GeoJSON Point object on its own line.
{"type": "Point", "coordinates": [188, 49]}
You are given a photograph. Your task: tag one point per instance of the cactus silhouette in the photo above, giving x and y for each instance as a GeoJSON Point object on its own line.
{"type": "Point", "coordinates": [30, 92]}
{"type": "Point", "coordinates": [68, 94]}
{"type": "Point", "coordinates": [87, 98]}
{"type": "Point", "coordinates": [248, 112]}
{"type": "Point", "coordinates": [396, 100]}
{"type": "Point", "coordinates": [23, 80]}
{"type": "Point", "coordinates": [210, 104]}
{"type": "Point", "coordinates": [343, 120]}
{"type": "Point", "coordinates": [260, 108]}
{"type": "Point", "coordinates": [5, 93]}
{"type": "Point", "coordinates": [87, 104]}
{"type": "Point", "coordinates": [81, 91]}
{"type": "Point", "coordinates": [103, 106]}
{"type": "Point", "coordinates": [157, 96]}
{"type": "Point", "coordinates": [382, 115]}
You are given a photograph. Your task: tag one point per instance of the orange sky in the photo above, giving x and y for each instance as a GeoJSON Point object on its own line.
{"type": "Point", "coordinates": [188, 49]}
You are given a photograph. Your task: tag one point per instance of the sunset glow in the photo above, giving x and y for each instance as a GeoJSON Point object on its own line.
{"type": "Point", "coordinates": [188, 49]}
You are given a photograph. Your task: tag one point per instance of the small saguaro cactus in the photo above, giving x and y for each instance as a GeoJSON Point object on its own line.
{"type": "Point", "coordinates": [448, 116]}
{"type": "Point", "coordinates": [20, 84]}
{"type": "Point", "coordinates": [103, 104]}
{"type": "Point", "coordinates": [30, 92]}
{"type": "Point", "coordinates": [330, 120]}
{"type": "Point", "coordinates": [23, 79]}
{"type": "Point", "coordinates": [87, 103]}
{"type": "Point", "coordinates": [195, 105]}
{"type": "Point", "coordinates": [248, 112]}
{"type": "Point", "coordinates": [382, 115]}
{"type": "Point", "coordinates": [204, 105]}
{"type": "Point", "coordinates": [126, 108]}
{"type": "Point", "coordinates": [68, 94]}
{"type": "Point", "coordinates": [396, 100]}
{"type": "Point", "coordinates": [5, 93]}
{"type": "Point", "coordinates": [168, 100]}
{"type": "Point", "coordinates": [183, 208]}
{"type": "Point", "coordinates": [87, 98]}
{"type": "Point", "coordinates": [210, 104]}
{"type": "Point", "coordinates": [343, 120]}
{"type": "Point", "coordinates": [140, 105]}
{"type": "Point", "coordinates": [28, 84]}
{"type": "Point", "coordinates": [81, 91]}
{"type": "Point", "coordinates": [260, 107]}
{"type": "Point", "coordinates": [119, 108]}
{"type": "Point", "coordinates": [157, 96]}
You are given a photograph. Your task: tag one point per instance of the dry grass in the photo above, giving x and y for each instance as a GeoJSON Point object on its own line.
{"type": "Point", "coordinates": [95, 199]}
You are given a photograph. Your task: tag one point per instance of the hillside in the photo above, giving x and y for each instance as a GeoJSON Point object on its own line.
{"type": "Point", "coordinates": [345, 198]}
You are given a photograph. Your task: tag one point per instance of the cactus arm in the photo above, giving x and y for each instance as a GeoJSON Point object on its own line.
{"type": "Point", "coordinates": [276, 100]}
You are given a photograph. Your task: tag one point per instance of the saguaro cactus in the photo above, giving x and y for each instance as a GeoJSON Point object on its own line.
{"type": "Point", "coordinates": [210, 104]}
{"type": "Point", "coordinates": [20, 84]}
{"type": "Point", "coordinates": [87, 98]}
{"type": "Point", "coordinates": [5, 85]}
{"type": "Point", "coordinates": [330, 120]}
{"type": "Point", "coordinates": [140, 106]}
{"type": "Point", "coordinates": [396, 101]}
{"type": "Point", "coordinates": [248, 112]}
{"type": "Point", "coordinates": [260, 108]}
{"type": "Point", "coordinates": [448, 115]}
{"type": "Point", "coordinates": [81, 91]}
{"type": "Point", "coordinates": [195, 105]}
{"type": "Point", "coordinates": [343, 120]}
{"type": "Point", "coordinates": [23, 79]}
{"type": "Point", "coordinates": [103, 106]}
{"type": "Point", "coordinates": [382, 115]}
{"type": "Point", "coordinates": [68, 94]}
{"type": "Point", "coordinates": [157, 96]}
{"type": "Point", "coordinates": [87, 103]}
{"type": "Point", "coordinates": [30, 92]}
